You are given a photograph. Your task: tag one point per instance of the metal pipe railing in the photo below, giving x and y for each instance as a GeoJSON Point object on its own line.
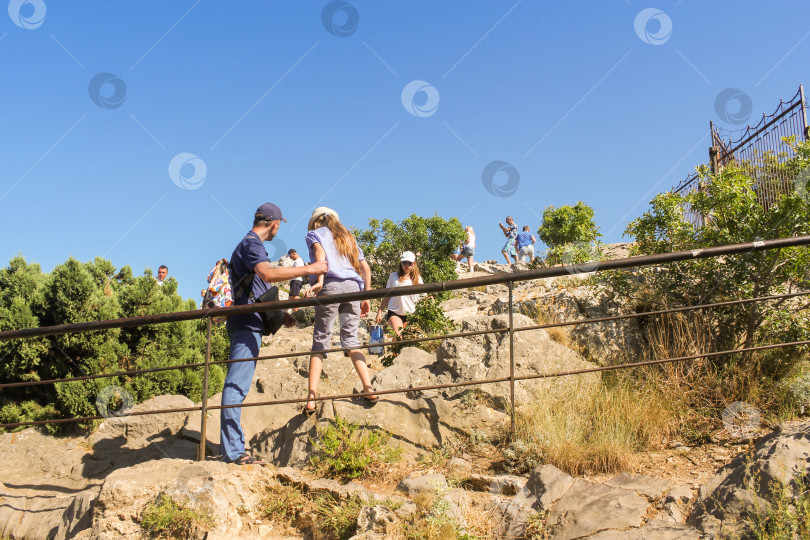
{"type": "Point", "coordinates": [508, 279]}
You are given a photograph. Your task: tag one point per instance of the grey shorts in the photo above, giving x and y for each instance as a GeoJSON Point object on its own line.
{"type": "Point", "coordinates": [325, 315]}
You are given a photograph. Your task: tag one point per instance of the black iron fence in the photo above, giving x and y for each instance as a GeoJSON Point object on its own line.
{"type": "Point", "coordinates": [508, 279]}
{"type": "Point", "coordinates": [759, 151]}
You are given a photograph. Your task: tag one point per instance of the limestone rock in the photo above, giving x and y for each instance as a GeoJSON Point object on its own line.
{"type": "Point", "coordinates": [587, 509]}
{"type": "Point", "coordinates": [506, 484]}
{"type": "Point", "coordinates": [546, 485]}
{"type": "Point", "coordinates": [487, 357]}
{"type": "Point", "coordinates": [743, 485]}
{"type": "Point", "coordinates": [652, 488]}
{"type": "Point", "coordinates": [228, 493]}
{"type": "Point", "coordinates": [378, 519]}
{"type": "Point", "coordinates": [138, 427]}
{"type": "Point", "coordinates": [430, 484]}
{"type": "Point", "coordinates": [654, 530]}
{"type": "Point", "coordinates": [460, 466]}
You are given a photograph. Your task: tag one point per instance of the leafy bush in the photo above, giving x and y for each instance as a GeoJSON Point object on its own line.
{"type": "Point", "coordinates": [81, 292]}
{"type": "Point", "coordinates": [348, 451]}
{"type": "Point", "coordinates": [733, 214]}
{"type": "Point", "coordinates": [433, 240]}
{"type": "Point", "coordinates": [166, 517]}
{"type": "Point", "coordinates": [570, 233]}
{"type": "Point", "coordinates": [428, 320]}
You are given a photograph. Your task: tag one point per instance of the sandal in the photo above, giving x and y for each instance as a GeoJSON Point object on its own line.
{"type": "Point", "coordinates": [307, 411]}
{"type": "Point", "coordinates": [372, 399]}
{"type": "Point", "coordinates": [247, 459]}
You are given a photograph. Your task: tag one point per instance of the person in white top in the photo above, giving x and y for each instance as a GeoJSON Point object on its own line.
{"type": "Point", "coordinates": [399, 307]}
{"type": "Point", "coordinates": [467, 248]}
{"type": "Point", "coordinates": [295, 283]}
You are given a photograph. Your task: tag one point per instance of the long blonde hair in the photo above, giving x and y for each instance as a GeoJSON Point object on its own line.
{"type": "Point", "coordinates": [345, 241]}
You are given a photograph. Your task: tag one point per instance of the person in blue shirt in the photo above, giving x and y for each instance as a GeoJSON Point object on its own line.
{"type": "Point", "coordinates": [250, 274]}
{"type": "Point", "coordinates": [524, 244]}
{"type": "Point", "coordinates": [510, 232]}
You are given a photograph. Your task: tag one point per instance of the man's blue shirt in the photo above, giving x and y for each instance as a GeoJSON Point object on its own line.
{"type": "Point", "coordinates": [244, 259]}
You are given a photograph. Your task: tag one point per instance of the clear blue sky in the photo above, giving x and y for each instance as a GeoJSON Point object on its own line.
{"type": "Point", "coordinates": [583, 100]}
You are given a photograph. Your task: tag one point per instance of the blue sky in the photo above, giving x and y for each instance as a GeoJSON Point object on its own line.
{"type": "Point", "coordinates": [301, 103]}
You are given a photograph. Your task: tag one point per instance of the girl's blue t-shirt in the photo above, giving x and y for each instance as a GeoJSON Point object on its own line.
{"type": "Point", "coordinates": [340, 267]}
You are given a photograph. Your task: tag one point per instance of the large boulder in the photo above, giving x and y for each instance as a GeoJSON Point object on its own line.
{"type": "Point", "coordinates": [743, 487]}
{"type": "Point", "coordinates": [230, 495]}
{"type": "Point", "coordinates": [587, 509]}
{"type": "Point", "coordinates": [488, 357]}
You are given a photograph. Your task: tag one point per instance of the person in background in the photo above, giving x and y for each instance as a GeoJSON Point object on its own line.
{"type": "Point", "coordinates": [524, 243]}
{"type": "Point", "coordinates": [163, 273]}
{"type": "Point", "coordinates": [467, 248]}
{"type": "Point", "coordinates": [399, 307]}
{"type": "Point", "coordinates": [328, 240]}
{"type": "Point", "coordinates": [510, 232]}
{"type": "Point", "coordinates": [295, 283]}
{"type": "Point", "coordinates": [251, 272]}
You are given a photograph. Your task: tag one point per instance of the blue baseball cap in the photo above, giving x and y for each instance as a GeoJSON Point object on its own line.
{"type": "Point", "coordinates": [270, 212]}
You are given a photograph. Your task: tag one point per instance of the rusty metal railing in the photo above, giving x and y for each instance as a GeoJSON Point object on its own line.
{"type": "Point", "coordinates": [509, 279]}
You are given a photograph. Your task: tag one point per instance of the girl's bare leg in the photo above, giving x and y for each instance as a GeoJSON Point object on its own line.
{"type": "Point", "coordinates": [360, 366]}
{"type": "Point", "coordinates": [315, 365]}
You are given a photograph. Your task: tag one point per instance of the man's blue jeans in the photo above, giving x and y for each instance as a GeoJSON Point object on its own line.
{"type": "Point", "coordinates": [244, 344]}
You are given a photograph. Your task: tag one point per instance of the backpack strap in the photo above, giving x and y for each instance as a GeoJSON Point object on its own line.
{"type": "Point", "coordinates": [242, 286]}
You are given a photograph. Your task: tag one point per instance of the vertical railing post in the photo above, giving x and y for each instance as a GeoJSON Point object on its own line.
{"type": "Point", "coordinates": [806, 130]}
{"type": "Point", "coordinates": [512, 358]}
{"type": "Point", "coordinates": [204, 404]}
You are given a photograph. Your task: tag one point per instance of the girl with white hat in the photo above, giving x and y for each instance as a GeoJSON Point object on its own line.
{"type": "Point", "coordinates": [399, 307]}
{"type": "Point", "coordinates": [328, 240]}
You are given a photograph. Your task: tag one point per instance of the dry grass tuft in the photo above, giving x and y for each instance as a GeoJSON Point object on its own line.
{"type": "Point", "coordinates": [598, 431]}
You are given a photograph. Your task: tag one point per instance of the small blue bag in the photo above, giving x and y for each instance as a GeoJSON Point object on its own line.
{"type": "Point", "coordinates": [376, 335]}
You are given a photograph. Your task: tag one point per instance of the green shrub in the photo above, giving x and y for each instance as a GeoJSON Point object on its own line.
{"type": "Point", "coordinates": [347, 451]}
{"type": "Point", "coordinates": [77, 292]}
{"type": "Point", "coordinates": [169, 518]}
{"type": "Point", "coordinates": [27, 411]}
{"type": "Point", "coordinates": [428, 320]}
{"type": "Point", "coordinates": [567, 224]}
{"type": "Point", "coordinates": [432, 239]}
{"type": "Point", "coordinates": [734, 214]}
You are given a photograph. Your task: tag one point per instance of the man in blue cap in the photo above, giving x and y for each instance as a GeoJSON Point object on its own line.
{"type": "Point", "coordinates": [250, 274]}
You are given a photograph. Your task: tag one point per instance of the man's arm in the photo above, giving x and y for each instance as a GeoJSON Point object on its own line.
{"type": "Point", "coordinates": [268, 274]}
